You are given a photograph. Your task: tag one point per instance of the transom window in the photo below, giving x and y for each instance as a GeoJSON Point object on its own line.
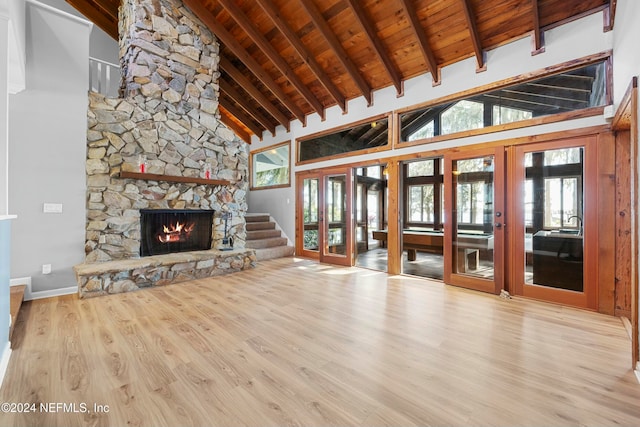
{"type": "Point", "coordinates": [355, 139]}
{"type": "Point", "coordinates": [571, 90]}
{"type": "Point", "coordinates": [461, 116]}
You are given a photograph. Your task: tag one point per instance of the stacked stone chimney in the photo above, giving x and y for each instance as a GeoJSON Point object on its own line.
{"type": "Point", "coordinates": [167, 115]}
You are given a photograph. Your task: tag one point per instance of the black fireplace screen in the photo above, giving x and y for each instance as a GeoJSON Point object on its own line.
{"type": "Point", "coordinates": [164, 231]}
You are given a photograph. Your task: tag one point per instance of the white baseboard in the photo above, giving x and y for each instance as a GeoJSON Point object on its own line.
{"type": "Point", "coordinates": [4, 361]}
{"type": "Point", "coordinates": [31, 295]}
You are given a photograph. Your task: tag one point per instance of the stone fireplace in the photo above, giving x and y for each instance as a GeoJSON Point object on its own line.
{"type": "Point", "coordinates": [168, 116]}
{"type": "Point", "coordinates": [166, 231]}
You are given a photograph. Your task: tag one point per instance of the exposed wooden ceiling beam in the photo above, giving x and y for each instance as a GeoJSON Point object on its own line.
{"type": "Point", "coordinates": [338, 50]}
{"type": "Point", "coordinates": [558, 88]}
{"type": "Point", "coordinates": [103, 13]}
{"type": "Point", "coordinates": [378, 47]}
{"type": "Point", "coordinates": [270, 9]}
{"type": "Point", "coordinates": [236, 96]}
{"type": "Point", "coordinates": [240, 115]}
{"type": "Point", "coordinates": [610, 15]}
{"type": "Point", "coordinates": [205, 15]}
{"type": "Point", "coordinates": [246, 84]}
{"type": "Point", "coordinates": [269, 51]}
{"type": "Point", "coordinates": [548, 96]}
{"type": "Point", "coordinates": [532, 101]}
{"type": "Point", "coordinates": [230, 121]}
{"type": "Point", "coordinates": [538, 38]}
{"type": "Point", "coordinates": [423, 41]}
{"type": "Point", "coordinates": [473, 31]}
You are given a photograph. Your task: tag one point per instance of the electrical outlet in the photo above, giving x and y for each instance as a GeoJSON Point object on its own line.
{"type": "Point", "coordinates": [46, 268]}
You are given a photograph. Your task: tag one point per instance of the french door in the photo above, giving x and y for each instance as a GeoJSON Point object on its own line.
{"type": "Point", "coordinates": [474, 230]}
{"type": "Point", "coordinates": [554, 233]}
{"type": "Point", "coordinates": [325, 219]}
{"type": "Point", "coordinates": [542, 244]}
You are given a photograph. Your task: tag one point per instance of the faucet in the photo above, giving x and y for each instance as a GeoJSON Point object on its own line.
{"type": "Point", "coordinates": [579, 223]}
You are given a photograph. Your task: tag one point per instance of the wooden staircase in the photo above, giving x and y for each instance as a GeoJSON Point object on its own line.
{"type": "Point", "coordinates": [15, 302]}
{"type": "Point", "coordinates": [265, 238]}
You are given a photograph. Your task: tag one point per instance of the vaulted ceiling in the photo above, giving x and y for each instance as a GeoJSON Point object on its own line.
{"type": "Point", "coordinates": [285, 59]}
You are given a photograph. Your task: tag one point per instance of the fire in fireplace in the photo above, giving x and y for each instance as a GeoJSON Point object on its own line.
{"type": "Point", "coordinates": [165, 231]}
{"type": "Point", "coordinates": [176, 233]}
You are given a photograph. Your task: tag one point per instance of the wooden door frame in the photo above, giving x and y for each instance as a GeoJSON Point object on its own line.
{"type": "Point", "coordinates": [300, 250]}
{"type": "Point", "coordinates": [321, 174]}
{"type": "Point", "coordinates": [626, 119]}
{"type": "Point", "coordinates": [348, 258]}
{"type": "Point", "coordinates": [497, 284]}
{"type": "Point", "coordinates": [589, 297]}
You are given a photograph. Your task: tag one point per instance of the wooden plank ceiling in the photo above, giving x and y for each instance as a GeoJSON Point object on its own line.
{"type": "Point", "coordinates": [285, 59]}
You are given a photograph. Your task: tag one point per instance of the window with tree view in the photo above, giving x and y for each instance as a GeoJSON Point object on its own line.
{"type": "Point", "coordinates": [571, 90]}
{"type": "Point", "coordinates": [553, 189]}
{"type": "Point", "coordinates": [424, 194]}
{"type": "Point", "coordinates": [270, 167]}
{"type": "Point", "coordinates": [474, 190]}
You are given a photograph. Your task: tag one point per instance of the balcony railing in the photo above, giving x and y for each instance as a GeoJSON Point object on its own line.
{"type": "Point", "coordinates": [104, 77]}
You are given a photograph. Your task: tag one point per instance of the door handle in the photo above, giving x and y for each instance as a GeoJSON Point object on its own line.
{"type": "Point", "coordinates": [498, 225]}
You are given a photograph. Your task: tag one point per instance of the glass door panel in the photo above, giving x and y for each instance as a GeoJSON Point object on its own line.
{"type": "Point", "coordinates": [361, 229]}
{"type": "Point", "coordinates": [310, 213]}
{"type": "Point", "coordinates": [474, 220]}
{"type": "Point", "coordinates": [337, 219]}
{"type": "Point", "coordinates": [370, 217]}
{"type": "Point", "coordinates": [553, 224]}
{"type": "Point", "coordinates": [323, 216]}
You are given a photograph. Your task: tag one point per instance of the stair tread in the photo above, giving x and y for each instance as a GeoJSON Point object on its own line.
{"type": "Point", "coordinates": [266, 243]}
{"type": "Point", "coordinates": [254, 226]}
{"type": "Point", "coordinates": [265, 237]}
{"type": "Point", "coordinates": [275, 252]}
{"type": "Point", "coordinates": [15, 302]}
{"type": "Point", "coordinates": [263, 234]}
{"type": "Point", "coordinates": [257, 218]}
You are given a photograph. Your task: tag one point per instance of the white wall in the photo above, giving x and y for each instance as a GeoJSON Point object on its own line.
{"type": "Point", "coordinates": [47, 149]}
{"type": "Point", "coordinates": [101, 45]}
{"type": "Point", "coordinates": [5, 350]}
{"type": "Point", "coordinates": [568, 42]}
{"type": "Point", "coordinates": [626, 61]}
{"type": "Point", "coordinates": [4, 111]}
{"type": "Point", "coordinates": [5, 239]}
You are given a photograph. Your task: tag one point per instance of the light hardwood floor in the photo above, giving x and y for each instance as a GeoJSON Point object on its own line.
{"type": "Point", "coordinates": [294, 342]}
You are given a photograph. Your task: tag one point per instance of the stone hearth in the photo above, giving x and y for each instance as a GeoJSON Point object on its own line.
{"type": "Point", "coordinates": [111, 277]}
{"type": "Point", "coordinates": [168, 116]}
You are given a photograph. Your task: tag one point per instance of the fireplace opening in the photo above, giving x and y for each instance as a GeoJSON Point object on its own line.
{"type": "Point", "coordinates": [164, 231]}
